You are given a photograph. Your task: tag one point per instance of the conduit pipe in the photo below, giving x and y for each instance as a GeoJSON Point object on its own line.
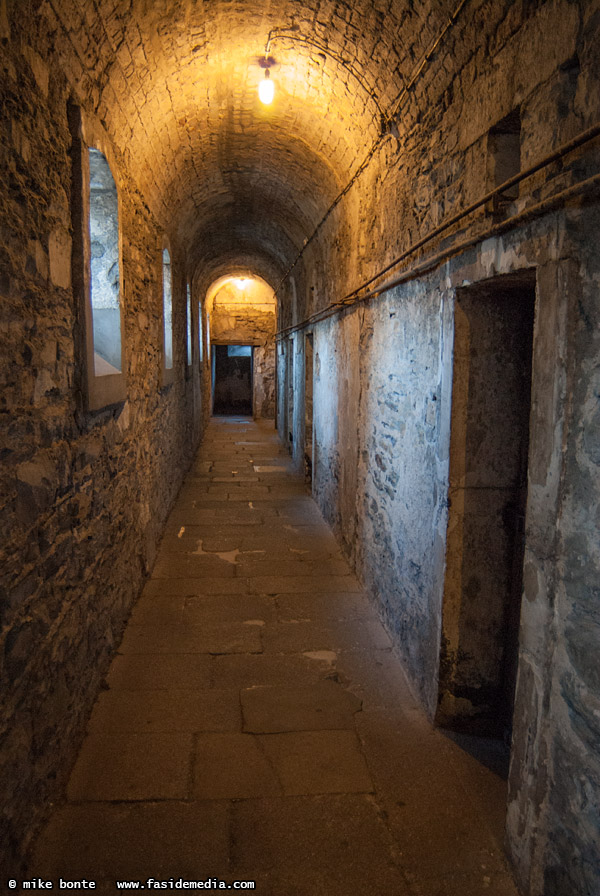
{"type": "Point", "coordinates": [582, 188]}
{"type": "Point", "coordinates": [557, 155]}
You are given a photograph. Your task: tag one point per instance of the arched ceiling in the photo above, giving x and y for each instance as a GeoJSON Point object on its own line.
{"type": "Point", "coordinates": [237, 292]}
{"type": "Point", "coordinates": [175, 82]}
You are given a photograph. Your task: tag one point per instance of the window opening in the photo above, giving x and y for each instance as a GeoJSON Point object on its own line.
{"type": "Point", "coordinates": [200, 334]}
{"type": "Point", "coordinates": [504, 159]}
{"type": "Point", "coordinates": [308, 406]}
{"type": "Point", "coordinates": [167, 309]}
{"type": "Point", "coordinates": [189, 325]}
{"type": "Point", "coordinates": [290, 391]}
{"type": "Point", "coordinates": [104, 266]}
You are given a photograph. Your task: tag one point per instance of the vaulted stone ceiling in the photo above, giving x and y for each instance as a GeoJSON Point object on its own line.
{"type": "Point", "coordinates": [175, 82]}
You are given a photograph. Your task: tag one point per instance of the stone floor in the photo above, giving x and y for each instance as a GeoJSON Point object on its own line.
{"type": "Point", "coordinates": [255, 723]}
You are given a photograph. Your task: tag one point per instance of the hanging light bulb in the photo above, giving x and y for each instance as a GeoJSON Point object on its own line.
{"type": "Point", "coordinates": [266, 89]}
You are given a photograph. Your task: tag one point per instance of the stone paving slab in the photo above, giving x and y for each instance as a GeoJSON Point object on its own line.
{"type": "Point", "coordinates": [196, 539]}
{"type": "Point", "coordinates": [232, 638]}
{"type": "Point", "coordinates": [298, 635]}
{"type": "Point", "coordinates": [314, 546]}
{"type": "Point", "coordinates": [268, 710]}
{"type": "Point", "coordinates": [223, 512]}
{"type": "Point", "coordinates": [160, 671]}
{"type": "Point", "coordinates": [216, 609]}
{"type": "Point", "coordinates": [233, 767]}
{"type": "Point", "coordinates": [318, 762]}
{"type": "Point", "coordinates": [130, 765]}
{"type": "Point", "coordinates": [377, 677]}
{"type": "Point", "coordinates": [325, 845]}
{"type": "Point", "coordinates": [479, 883]}
{"type": "Point", "coordinates": [272, 669]}
{"type": "Point", "coordinates": [188, 566]}
{"type": "Point", "coordinates": [167, 710]}
{"type": "Point", "coordinates": [134, 840]}
{"type": "Point", "coordinates": [457, 848]}
{"type": "Point", "coordinates": [482, 771]}
{"type": "Point", "coordinates": [158, 613]}
{"type": "Point", "coordinates": [214, 529]}
{"type": "Point", "coordinates": [298, 542]}
{"type": "Point", "coordinates": [294, 584]}
{"type": "Point", "coordinates": [255, 723]}
{"type": "Point", "coordinates": [162, 589]}
{"type": "Point", "coordinates": [321, 606]}
{"type": "Point", "coordinates": [289, 565]}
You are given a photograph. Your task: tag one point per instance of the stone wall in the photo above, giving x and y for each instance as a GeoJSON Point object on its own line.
{"type": "Point", "coordinates": [84, 494]}
{"type": "Point", "coordinates": [263, 399]}
{"type": "Point", "coordinates": [383, 381]}
{"type": "Point", "coordinates": [382, 390]}
{"type": "Point", "coordinates": [574, 707]}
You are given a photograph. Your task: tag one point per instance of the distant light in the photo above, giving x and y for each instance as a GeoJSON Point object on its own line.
{"type": "Point", "coordinates": [266, 89]}
{"type": "Point", "coordinates": [241, 283]}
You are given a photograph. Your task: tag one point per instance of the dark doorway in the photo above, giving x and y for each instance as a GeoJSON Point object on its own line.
{"type": "Point", "coordinates": [291, 345]}
{"type": "Point", "coordinates": [308, 406]}
{"type": "Point", "coordinates": [232, 380]}
{"type": "Point", "coordinates": [491, 398]}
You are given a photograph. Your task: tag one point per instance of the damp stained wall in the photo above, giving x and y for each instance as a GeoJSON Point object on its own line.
{"type": "Point", "coordinates": [383, 396]}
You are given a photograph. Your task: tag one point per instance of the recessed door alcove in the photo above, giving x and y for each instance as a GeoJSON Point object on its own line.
{"type": "Point", "coordinates": [308, 407]}
{"type": "Point", "coordinates": [491, 398]}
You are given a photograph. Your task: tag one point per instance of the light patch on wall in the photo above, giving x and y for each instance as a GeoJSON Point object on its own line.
{"type": "Point", "coordinates": [239, 351]}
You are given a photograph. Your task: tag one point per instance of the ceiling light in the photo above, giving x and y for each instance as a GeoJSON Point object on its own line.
{"type": "Point", "coordinates": [266, 89]}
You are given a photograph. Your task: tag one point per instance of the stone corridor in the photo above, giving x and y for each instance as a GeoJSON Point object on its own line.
{"type": "Point", "coordinates": [255, 723]}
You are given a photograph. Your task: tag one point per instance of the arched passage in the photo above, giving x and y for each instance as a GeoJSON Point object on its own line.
{"type": "Point", "coordinates": [241, 314]}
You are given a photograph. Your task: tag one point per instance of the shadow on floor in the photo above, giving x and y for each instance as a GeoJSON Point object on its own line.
{"type": "Point", "coordinates": [491, 752]}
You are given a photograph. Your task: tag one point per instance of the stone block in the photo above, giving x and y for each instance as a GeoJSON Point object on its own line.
{"type": "Point", "coordinates": [299, 584]}
{"type": "Point", "coordinates": [159, 671]}
{"type": "Point", "coordinates": [227, 608]}
{"type": "Point", "coordinates": [176, 566]}
{"type": "Point", "coordinates": [298, 636]}
{"type": "Point", "coordinates": [322, 606]}
{"type": "Point", "coordinates": [132, 766]}
{"type": "Point", "coordinates": [185, 639]}
{"type": "Point", "coordinates": [233, 767]}
{"type": "Point", "coordinates": [37, 485]}
{"type": "Point", "coordinates": [166, 710]}
{"type": "Point", "coordinates": [59, 251]}
{"type": "Point", "coordinates": [268, 710]}
{"type": "Point", "coordinates": [267, 669]}
{"type": "Point", "coordinates": [107, 842]}
{"type": "Point", "coordinates": [311, 762]}
{"type": "Point", "coordinates": [292, 841]}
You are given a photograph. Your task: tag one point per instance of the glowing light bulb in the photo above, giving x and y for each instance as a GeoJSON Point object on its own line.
{"type": "Point", "coordinates": [241, 283]}
{"type": "Point", "coordinates": [266, 90]}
